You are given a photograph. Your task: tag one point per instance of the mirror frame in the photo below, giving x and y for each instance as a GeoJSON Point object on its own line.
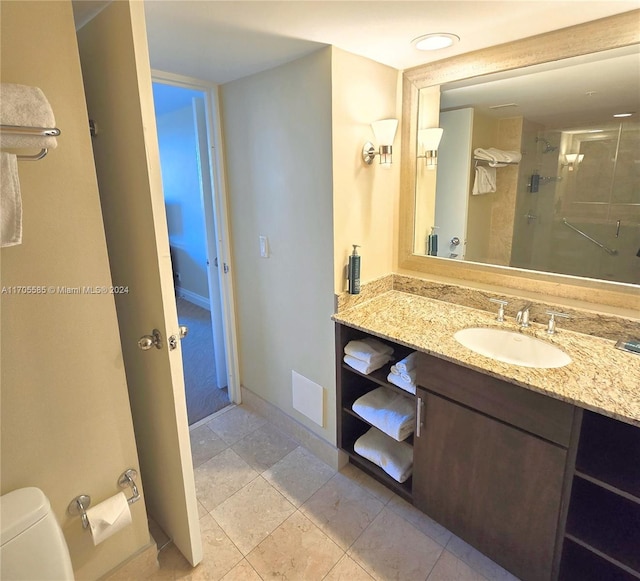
{"type": "Point", "coordinates": [599, 35]}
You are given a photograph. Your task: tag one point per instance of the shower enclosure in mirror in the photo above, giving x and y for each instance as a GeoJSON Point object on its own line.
{"type": "Point", "coordinates": [564, 216]}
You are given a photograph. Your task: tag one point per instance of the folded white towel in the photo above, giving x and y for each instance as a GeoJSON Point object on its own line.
{"type": "Point", "coordinates": [26, 107]}
{"type": "Point", "coordinates": [387, 410]}
{"type": "Point", "coordinates": [363, 366]}
{"type": "Point", "coordinates": [409, 376]}
{"type": "Point", "coordinates": [497, 157]}
{"type": "Point", "coordinates": [367, 349]}
{"type": "Point", "coordinates": [485, 180]}
{"type": "Point", "coordinates": [10, 201]}
{"type": "Point", "coordinates": [395, 458]}
{"type": "Point", "coordinates": [408, 363]}
{"type": "Point", "coordinates": [398, 382]}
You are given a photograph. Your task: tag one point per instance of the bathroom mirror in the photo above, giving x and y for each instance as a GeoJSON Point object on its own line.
{"type": "Point", "coordinates": [571, 205]}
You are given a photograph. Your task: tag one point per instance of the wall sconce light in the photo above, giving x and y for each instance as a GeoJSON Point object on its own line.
{"type": "Point", "coordinates": [385, 132]}
{"type": "Point", "coordinates": [572, 160]}
{"type": "Point", "coordinates": [429, 140]}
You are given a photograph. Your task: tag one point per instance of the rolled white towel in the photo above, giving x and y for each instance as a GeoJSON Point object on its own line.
{"type": "Point", "coordinates": [409, 376]}
{"type": "Point", "coordinates": [363, 366]}
{"type": "Point", "coordinates": [394, 370]}
{"type": "Point", "coordinates": [25, 106]}
{"type": "Point", "coordinates": [387, 410]}
{"type": "Point", "coordinates": [408, 363]}
{"type": "Point", "coordinates": [395, 458]}
{"type": "Point", "coordinates": [398, 382]}
{"type": "Point", "coordinates": [367, 349]}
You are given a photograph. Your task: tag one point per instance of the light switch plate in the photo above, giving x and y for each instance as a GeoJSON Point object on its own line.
{"type": "Point", "coordinates": [264, 247]}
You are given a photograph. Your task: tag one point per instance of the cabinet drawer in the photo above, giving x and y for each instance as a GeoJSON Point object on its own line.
{"type": "Point", "coordinates": [533, 412]}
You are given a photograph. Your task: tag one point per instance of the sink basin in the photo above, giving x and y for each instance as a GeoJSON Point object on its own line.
{"type": "Point", "coordinates": [511, 347]}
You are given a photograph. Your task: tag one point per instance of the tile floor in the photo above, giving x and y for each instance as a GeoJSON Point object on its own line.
{"type": "Point", "coordinates": [269, 509]}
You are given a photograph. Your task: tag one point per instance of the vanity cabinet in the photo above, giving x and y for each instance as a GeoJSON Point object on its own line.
{"type": "Point", "coordinates": [489, 464]}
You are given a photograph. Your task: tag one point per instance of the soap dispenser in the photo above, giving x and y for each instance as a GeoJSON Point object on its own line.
{"type": "Point", "coordinates": [432, 242]}
{"type": "Point", "coordinates": [354, 271]}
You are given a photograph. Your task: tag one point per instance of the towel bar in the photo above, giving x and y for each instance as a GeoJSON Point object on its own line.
{"type": "Point", "coordinates": [35, 131]}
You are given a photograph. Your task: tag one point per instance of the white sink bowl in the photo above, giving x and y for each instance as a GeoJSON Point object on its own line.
{"type": "Point", "coordinates": [511, 347]}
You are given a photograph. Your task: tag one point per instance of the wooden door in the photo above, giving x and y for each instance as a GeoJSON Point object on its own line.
{"type": "Point", "coordinates": [495, 486]}
{"type": "Point", "coordinates": [117, 77]}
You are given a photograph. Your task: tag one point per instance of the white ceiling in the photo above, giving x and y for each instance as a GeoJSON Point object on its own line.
{"type": "Point", "coordinates": [221, 41]}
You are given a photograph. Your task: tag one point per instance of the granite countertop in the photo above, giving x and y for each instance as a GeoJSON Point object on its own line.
{"type": "Point", "coordinates": [599, 377]}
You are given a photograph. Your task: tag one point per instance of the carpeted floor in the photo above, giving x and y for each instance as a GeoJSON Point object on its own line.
{"type": "Point", "coordinates": [203, 397]}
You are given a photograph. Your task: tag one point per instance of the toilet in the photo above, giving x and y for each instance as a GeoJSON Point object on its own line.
{"type": "Point", "coordinates": [31, 542]}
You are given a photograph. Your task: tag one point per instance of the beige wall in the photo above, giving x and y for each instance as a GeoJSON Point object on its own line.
{"type": "Point", "coordinates": [365, 198]}
{"type": "Point", "coordinates": [277, 138]}
{"type": "Point", "coordinates": [66, 421]}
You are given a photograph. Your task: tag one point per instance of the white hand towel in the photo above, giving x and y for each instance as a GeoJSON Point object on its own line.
{"type": "Point", "coordinates": [389, 411]}
{"type": "Point", "coordinates": [398, 382]}
{"type": "Point", "coordinates": [394, 370]}
{"type": "Point", "coordinates": [364, 367]}
{"type": "Point", "coordinates": [408, 363]}
{"type": "Point", "coordinates": [485, 180]}
{"type": "Point", "coordinates": [367, 349]}
{"type": "Point", "coordinates": [395, 458]}
{"type": "Point", "coordinates": [497, 157]}
{"type": "Point", "coordinates": [26, 107]}
{"type": "Point", "coordinates": [10, 201]}
{"type": "Point", "coordinates": [409, 376]}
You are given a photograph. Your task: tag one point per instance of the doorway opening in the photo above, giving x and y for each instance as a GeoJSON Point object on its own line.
{"type": "Point", "coordinates": [181, 118]}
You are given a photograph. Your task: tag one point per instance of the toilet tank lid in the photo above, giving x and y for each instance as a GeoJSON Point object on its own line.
{"type": "Point", "coordinates": [20, 510]}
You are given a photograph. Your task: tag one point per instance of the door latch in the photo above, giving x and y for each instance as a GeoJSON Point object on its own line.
{"type": "Point", "coordinates": [182, 333]}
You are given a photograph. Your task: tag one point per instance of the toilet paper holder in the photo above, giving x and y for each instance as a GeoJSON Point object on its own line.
{"type": "Point", "coordinates": [79, 505]}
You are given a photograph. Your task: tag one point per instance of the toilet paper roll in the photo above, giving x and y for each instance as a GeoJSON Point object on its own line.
{"type": "Point", "coordinates": [108, 517]}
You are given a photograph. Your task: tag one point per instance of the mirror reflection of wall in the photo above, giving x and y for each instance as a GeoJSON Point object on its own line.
{"type": "Point", "coordinates": [572, 203]}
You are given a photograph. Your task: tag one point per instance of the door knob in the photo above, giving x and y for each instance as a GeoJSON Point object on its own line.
{"type": "Point", "coordinates": [455, 241]}
{"type": "Point", "coordinates": [184, 331]}
{"type": "Point", "coordinates": [147, 341]}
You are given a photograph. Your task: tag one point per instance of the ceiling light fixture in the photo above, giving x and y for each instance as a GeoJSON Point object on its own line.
{"type": "Point", "coordinates": [623, 114]}
{"type": "Point", "coordinates": [435, 41]}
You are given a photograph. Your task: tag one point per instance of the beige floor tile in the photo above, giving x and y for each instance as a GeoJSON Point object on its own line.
{"type": "Point", "coordinates": [220, 555]}
{"type": "Point", "coordinates": [172, 565]}
{"type": "Point", "coordinates": [391, 548]}
{"type": "Point", "coordinates": [298, 475]}
{"type": "Point", "coordinates": [217, 479]}
{"type": "Point", "coordinates": [202, 511]}
{"type": "Point", "coordinates": [236, 424]}
{"type": "Point", "coordinates": [243, 571]}
{"type": "Point", "coordinates": [348, 570]}
{"type": "Point", "coordinates": [450, 567]}
{"type": "Point", "coordinates": [263, 447]}
{"type": "Point", "coordinates": [476, 560]}
{"type": "Point", "coordinates": [205, 444]}
{"type": "Point", "coordinates": [372, 486]}
{"type": "Point", "coordinates": [297, 549]}
{"type": "Point", "coordinates": [420, 520]}
{"type": "Point", "coordinates": [342, 509]}
{"type": "Point", "coordinates": [252, 513]}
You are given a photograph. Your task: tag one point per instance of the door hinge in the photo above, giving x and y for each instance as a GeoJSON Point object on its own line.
{"type": "Point", "coordinates": [226, 268]}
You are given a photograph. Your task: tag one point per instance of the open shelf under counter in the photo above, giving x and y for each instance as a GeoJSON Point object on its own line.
{"type": "Point", "coordinates": [583, 563]}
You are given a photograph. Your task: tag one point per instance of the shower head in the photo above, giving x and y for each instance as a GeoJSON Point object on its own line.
{"type": "Point", "coordinates": [547, 146]}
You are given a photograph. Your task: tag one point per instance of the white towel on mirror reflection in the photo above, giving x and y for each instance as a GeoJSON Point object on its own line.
{"type": "Point", "coordinates": [367, 349]}
{"type": "Point", "coordinates": [408, 363]}
{"type": "Point", "coordinates": [497, 157]}
{"type": "Point", "coordinates": [387, 410]}
{"type": "Point", "coordinates": [364, 367]}
{"type": "Point", "coordinates": [10, 201]}
{"type": "Point", "coordinates": [399, 382]}
{"type": "Point", "coordinates": [25, 106]}
{"type": "Point", "coordinates": [395, 458]}
{"type": "Point", "coordinates": [485, 180]}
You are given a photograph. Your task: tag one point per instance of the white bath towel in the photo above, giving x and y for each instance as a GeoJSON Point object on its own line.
{"type": "Point", "coordinates": [367, 349]}
{"type": "Point", "coordinates": [485, 180]}
{"type": "Point", "coordinates": [363, 366]}
{"type": "Point", "coordinates": [398, 382]}
{"type": "Point", "coordinates": [408, 363]}
{"type": "Point", "coordinates": [409, 376]}
{"type": "Point", "coordinates": [10, 201]}
{"type": "Point", "coordinates": [395, 458]}
{"type": "Point", "coordinates": [394, 370]}
{"type": "Point", "coordinates": [497, 157]}
{"type": "Point", "coordinates": [25, 106]}
{"type": "Point", "coordinates": [389, 411]}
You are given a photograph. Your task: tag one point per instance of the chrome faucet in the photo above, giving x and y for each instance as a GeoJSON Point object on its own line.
{"type": "Point", "coordinates": [522, 317]}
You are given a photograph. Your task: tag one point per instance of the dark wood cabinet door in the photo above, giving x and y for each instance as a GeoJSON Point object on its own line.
{"type": "Point", "coordinates": [493, 485]}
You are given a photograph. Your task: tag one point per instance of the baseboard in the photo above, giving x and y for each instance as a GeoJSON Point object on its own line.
{"type": "Point", "coordinates": [194, 298]}
{"type": "Point", "coordinates": [325, 451]}
{"type": "Point", "coordinates": [139, 566]}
